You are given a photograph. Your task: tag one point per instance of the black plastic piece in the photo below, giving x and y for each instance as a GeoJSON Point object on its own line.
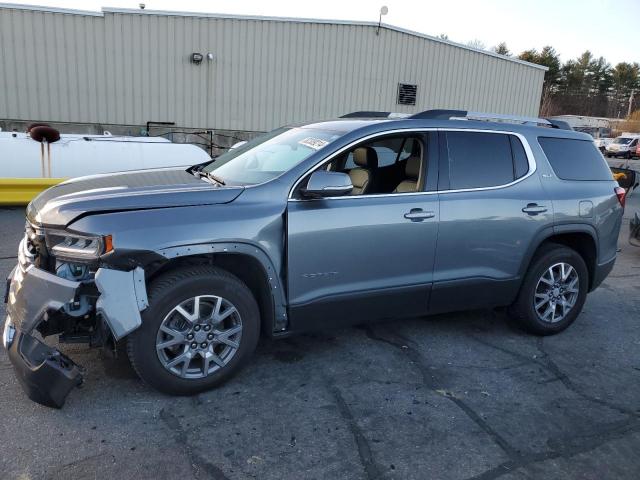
{"type": "Point", "coordinates": [561, 124]}
{"type": "Point", "coordinates": [634, 231]}
{"type": "Point", "coordinates": [439, 114]}
{"type": "Point", "coordinates": [366, 114]}
{"type": "Point", "coordinates": [46, 375]}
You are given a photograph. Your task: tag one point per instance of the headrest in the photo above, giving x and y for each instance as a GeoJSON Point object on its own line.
{"type": "Point", "coordinates": [412, 169]}
{"type": "Point", "coordinates": [365, 157]}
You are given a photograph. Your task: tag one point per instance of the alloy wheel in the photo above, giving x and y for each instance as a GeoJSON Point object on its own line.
{"type": "Point", "coordinates": [199, 336]}
{"type": "Point", "coordinates": [556, 292]}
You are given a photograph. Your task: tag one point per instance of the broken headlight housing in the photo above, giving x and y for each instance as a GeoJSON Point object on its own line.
{"type": "Point", "coordinates": [64, 245]}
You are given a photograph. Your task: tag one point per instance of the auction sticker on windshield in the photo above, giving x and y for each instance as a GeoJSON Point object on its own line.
{"type": "Point", "coordinates": [315, 143]}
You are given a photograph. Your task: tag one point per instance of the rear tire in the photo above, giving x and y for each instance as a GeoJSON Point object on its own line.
{"type": "Point", "coordinates": [210, 322]}
{"type": "Point", "coordinates": [547, 303]}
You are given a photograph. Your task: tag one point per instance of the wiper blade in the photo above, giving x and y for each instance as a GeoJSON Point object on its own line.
{"type": "Point", "coordinates": [209, 176]}
{"type": "Point", "coordinates": [215, 178]}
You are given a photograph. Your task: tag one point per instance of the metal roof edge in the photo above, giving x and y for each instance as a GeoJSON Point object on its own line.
{"type": "Point", "coordinates": [131, 11]}
{"type": "Point", "coordinates": [42, 8]}
{"type": "Point", "coordinates": [322, 21]}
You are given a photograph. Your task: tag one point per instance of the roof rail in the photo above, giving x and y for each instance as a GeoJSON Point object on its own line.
{"type": "Point", "coordinates": [561, 124]}
{"type": "Point", "coordinates": [373, 114]}
{"type": "Point", "coordinates": [439, 114]}
{"type": "Point", "coordinates": [366, 114]}
{"type": "Point", "coordinates": [495, 117]}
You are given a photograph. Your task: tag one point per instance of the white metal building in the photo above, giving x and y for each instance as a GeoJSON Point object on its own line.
{"type": "Point", "coordinates": [127, 67]}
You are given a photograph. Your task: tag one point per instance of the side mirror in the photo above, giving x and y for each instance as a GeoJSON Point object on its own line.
{"type": "Point", "coordinates": [327, 184]}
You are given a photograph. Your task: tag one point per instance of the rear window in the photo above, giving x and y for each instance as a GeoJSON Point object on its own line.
{"type": "Point", "coordinates": [575, 159]}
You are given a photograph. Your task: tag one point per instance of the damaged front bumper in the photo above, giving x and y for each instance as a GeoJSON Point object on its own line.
{"type": "Point", "coordinates": [35, 297]}
{"type": "Point", "coordinates": [46, 375]}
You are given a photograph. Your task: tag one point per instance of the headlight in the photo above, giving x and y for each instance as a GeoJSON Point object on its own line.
{"type": "Point", "coordinates": [78, 247]}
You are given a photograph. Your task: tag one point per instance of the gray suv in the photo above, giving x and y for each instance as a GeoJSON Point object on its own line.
{"type": "Point", "coordinates": [366, 218]}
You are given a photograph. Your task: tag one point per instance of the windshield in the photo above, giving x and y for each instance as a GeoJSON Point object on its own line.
{"type": "Point", "coordinates": [269, 155]}
{"type": "Point", "coordinates": [623, 140]}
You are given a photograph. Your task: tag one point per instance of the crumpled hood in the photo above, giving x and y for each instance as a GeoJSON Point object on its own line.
{"type": "Point", "coordinates": [142, 189]}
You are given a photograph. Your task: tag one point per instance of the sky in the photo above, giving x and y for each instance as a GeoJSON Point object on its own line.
{"type": "Point", "coordinates": [607, 28]}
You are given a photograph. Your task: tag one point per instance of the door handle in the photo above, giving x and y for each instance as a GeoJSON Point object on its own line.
{"type": "Point", "coordinates": [534, 209]}
{"type": "Point", "coordinates": [417, 215]}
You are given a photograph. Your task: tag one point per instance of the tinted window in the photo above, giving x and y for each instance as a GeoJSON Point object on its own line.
{"type": "Point", "coordinates": [520, 161]}
{"type": "Point", "coordinates": [575, 159]}
{"type": "Point", "coordinates": [479, 159]}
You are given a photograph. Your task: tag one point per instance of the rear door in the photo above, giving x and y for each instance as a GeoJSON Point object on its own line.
{"type": "Point", "coordinates": [363, 258]}
{"type": "Point", "coordinates": [492, 207]}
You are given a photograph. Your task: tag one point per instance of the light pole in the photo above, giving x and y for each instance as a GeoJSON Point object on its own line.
{"type": "Point", "coordinates": [383, 11]}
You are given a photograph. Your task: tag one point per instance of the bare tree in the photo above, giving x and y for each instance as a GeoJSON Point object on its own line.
{"type": "Point", "coordinates": [502, 49]}
{"type": "Point", "coordinates": [478, 44]}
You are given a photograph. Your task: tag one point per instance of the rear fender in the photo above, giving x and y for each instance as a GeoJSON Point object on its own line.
{"type": "Point", "coordinates": [548, 232]}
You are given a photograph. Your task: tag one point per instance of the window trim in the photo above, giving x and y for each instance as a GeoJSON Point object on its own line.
{"type": "Point", "coordinates": [445, 162]}
{"type": "Point", "coordinates": [552, 171]}
{"type": "Point", "coordinates": [525, 143]}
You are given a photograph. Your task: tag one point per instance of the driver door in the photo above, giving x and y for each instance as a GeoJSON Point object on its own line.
{"type": "Point", "coordinates": [363, 258]}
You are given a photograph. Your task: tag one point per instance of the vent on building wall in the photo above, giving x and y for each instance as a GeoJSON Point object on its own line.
{"type": "Point", "coordinates": [407, 94]}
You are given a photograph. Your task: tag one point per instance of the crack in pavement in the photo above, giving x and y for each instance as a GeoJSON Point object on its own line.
{"type": "Point", "coordinates": [553, 367]}
{"type": "Point", "coordinates": [364, 449]}
{"type": "Point", "coordinates": [608, 432]}
{"type": "Point", "coordinates": [570, 446]}
{"type": "Point", "coordinates": [547, 363]}
{"type": "Point", "coordinates": [181, 438]}
{"type": "Point", "coordinates": [436, 386]}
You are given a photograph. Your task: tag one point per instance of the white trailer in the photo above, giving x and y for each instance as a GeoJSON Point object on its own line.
{"type": "Point", "coordinates": [28, 166]}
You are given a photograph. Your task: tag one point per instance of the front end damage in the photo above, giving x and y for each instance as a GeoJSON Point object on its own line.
{"type": "Point", "coordinates": [80, 303]}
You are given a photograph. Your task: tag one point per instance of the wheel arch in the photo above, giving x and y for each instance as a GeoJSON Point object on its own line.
{"type": "Point", "coordinates": [247, 262]}
{"type": "Point", "coordinates": [580, 237]}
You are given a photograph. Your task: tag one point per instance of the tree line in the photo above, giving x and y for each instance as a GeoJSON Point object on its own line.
{"type": "Point", "coordinates": [584, 86]}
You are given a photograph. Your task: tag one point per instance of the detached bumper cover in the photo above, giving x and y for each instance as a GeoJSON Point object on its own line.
{"type": "Point", "coordinates": [46, 375]}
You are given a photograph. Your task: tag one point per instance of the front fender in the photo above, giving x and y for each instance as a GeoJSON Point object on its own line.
{"type": "Point", "coordinates": [240, 248]}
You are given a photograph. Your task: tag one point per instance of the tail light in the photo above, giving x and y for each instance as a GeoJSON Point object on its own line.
{"type": "Point", "coordinates": [621, 194]}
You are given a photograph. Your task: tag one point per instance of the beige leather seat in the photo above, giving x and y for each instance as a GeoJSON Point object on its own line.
{"type": "Point", "coordinates": [412, 172]}
{"type": "Point", "coordinates": [362, 176]}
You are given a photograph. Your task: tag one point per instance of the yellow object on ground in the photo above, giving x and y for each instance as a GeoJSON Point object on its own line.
{"type": "Point", "coordinates": [20, 191]}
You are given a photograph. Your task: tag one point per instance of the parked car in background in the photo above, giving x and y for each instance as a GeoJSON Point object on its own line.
{"type": "Point", "coordinates": [34, 161]}
{"type": "Point", "coordinates": [309, 227]}
{"type": "Point", "coordinates": [623, 146]}
{"type": "Point", "coordinates": [601, 144]}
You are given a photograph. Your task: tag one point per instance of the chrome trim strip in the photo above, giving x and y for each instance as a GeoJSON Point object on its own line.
{"type": "Point", "coordinates": [527, 148]}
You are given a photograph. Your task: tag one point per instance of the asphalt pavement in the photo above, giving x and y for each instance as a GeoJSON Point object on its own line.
{"type": "Point", "coordinates": [453, 396]}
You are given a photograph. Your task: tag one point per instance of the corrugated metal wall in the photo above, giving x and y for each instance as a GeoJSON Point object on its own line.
{"type": "Point", "coordinates": [129, 67]}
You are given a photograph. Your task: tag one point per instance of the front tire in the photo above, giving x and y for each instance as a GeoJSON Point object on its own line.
{"type": "Point", "coordinates": [201, 326]}
{"type": "Point", "coordinates": [553, 291]}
